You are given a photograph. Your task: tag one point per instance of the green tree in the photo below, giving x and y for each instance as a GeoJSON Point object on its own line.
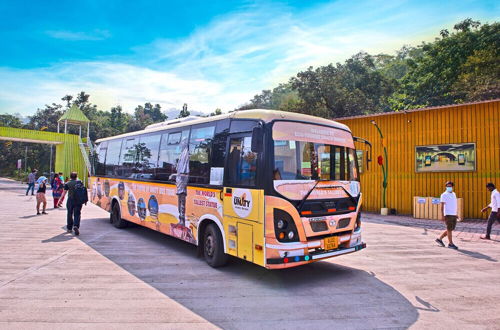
{"type": "Point", "coordinates": [456, 67]}
{"type": "Point", "coordinates": [117, 119]}
{"type": "Point", "coordinates": [184, 112]}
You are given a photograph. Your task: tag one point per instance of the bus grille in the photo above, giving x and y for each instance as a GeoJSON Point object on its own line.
{"type": "Point", "coordinates": [343, 223]}
{"type": "Point", "coordinates": [318, 226]}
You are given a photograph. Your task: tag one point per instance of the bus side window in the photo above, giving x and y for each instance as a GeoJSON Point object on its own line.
{"type": "Point", "coordinates": [148, 148]}
{"type": "Point", "coordinates": [169, 154]}
{"type": "Point", "coordinates": [219, 144]}
{"type": "Point", "coordinates": [128, 157]}
{"type": "Point", "coordinates": [200, 143]}
{"type": "Point", "coordinates": [100, 158]}
{"type": "Point", "coordinates": [113, 157]}
{"type": "Point", "coordinates": [242, 162]}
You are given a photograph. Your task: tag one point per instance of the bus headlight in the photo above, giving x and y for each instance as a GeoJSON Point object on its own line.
{"type": "Point", "coordinates": [285, 229]}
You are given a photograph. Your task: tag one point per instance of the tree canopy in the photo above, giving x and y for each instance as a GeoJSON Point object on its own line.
{"type": "Point", "coordinates": [457, 67]}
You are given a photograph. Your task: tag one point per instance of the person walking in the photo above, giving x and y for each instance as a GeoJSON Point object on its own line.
{"type": "Point", "coordinates": [31, 182]}
{"type": "Point", "coordinates": [73, 206]}
{"type": "Point", "coordinates": [449, 213]}
{"type": "Point", "coordinates": [494, 205]}
{"type": "Point", "coordinates": [57, 189]}
{"type": "Point", "coordinates": [40, 196]}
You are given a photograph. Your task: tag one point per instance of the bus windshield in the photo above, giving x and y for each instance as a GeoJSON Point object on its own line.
{"type": "Point", "coordinates": [299, 160]}
{"type": "Point", "coordinates": [307, 153]}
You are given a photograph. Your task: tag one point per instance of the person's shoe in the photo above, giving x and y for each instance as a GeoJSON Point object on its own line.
{"type": "Point", "coordinates": [484, 237]}
{"type": "Point", "coordinates": [453, 246]}
{"type": "Point", "coordinates": [37, 213]}
{"type": "Point", "coordinates": [44, 212]}
{"type": "Point", "coordinates": [77, 231]}
{"type": "Point", "coordinates": [440, 242]}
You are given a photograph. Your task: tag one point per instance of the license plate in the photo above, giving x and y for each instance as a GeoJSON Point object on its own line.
{"type": "Point", "coordinates": [331, 243]}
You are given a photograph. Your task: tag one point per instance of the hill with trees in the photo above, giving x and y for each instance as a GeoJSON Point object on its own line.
{"type": "Point", "coordinates": [458, 66]}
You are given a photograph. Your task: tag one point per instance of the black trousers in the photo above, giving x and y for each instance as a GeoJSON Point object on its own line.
{"type": "Point", "coordinates": [491, 220]}
{"type": "Point", "coordinates": [74, 214]}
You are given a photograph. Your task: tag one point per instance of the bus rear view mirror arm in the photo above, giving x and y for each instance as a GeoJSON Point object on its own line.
{"type": "Point", "coordinates": [369, 158]}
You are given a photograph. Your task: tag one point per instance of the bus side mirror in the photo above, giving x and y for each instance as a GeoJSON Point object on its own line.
{"type": "Point", "coordinates": [258, 139]}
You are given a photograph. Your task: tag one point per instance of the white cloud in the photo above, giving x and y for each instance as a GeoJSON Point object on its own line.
{"type": "Point", "coordinates": [109, 84]}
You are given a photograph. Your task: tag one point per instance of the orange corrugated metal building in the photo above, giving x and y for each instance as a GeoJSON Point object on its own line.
{"type": "Point", "coordinates": [477, 123]}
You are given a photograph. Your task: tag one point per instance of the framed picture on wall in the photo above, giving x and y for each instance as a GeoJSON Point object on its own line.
{"type": "Point", "coordinates": [456, 157]}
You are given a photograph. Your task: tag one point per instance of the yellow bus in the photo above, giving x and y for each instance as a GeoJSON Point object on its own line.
{"type": "Point", "coordinates": [274, 188]}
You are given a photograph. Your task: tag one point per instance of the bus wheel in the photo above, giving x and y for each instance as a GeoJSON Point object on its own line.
{"type": "Point", "coordinates": [213, 247]}
{"type": "Point", "coordinates": [116, 217]}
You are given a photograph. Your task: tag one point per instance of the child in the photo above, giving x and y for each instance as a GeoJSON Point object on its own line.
{"type": "Point", "coordinates": [40, 197]}
{"type": "Point", "coordinates": [57, 189]}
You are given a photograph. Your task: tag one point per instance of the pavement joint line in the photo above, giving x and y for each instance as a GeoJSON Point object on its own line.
{"type": "Point", "coordinates": [50, 260]}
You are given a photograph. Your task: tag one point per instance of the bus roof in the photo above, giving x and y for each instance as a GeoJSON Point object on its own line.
{"type": "Point", "coordinates": [258, 114]}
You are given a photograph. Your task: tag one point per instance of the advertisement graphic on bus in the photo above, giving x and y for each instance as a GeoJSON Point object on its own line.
{"type": "Point", "coordinates": [273, 188]}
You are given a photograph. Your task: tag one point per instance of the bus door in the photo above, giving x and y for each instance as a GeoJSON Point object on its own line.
{"type": "Point", "coordinates": [243, 203]}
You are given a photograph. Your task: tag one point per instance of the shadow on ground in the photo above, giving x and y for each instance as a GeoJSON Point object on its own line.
{"type": "Point", "coordinates": [243, 295]}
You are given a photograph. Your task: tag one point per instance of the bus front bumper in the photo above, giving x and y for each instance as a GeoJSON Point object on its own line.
{"type": "Point", "coordinates": [293, 261]}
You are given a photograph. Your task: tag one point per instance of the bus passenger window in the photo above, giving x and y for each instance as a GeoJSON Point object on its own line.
{"type": "Point", "coordinates": [242, 162]}
{"type": "Point", "coordinates": [149, 145]}
{"type": "Point", "coordinates": [113, 157]}
{"type": "Point", "coordinates": [100, 158]}
{"type": "Point", "coordinates": [170, 150]}
{"type": "Point", "coordinates": [200, 144]}
{"type": "Point", "coordinates": [128, 158]}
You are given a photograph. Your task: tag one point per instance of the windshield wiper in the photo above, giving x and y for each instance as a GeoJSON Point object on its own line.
{"type": "Point", "coordinates": [302, 202]}
{"type": "Point", "coordinates": [351, 197]}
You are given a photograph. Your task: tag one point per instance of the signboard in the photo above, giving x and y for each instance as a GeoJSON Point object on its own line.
{"type": "Point", "coordinates": [19, 164]}
{"type": "Point", "coordinates": [446, 158]}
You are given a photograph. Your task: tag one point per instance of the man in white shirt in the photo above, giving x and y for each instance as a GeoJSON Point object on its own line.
{"type": "Point", "coordinates": [449, 215]}
{"type": "Point", "coordinates": [494, 205]}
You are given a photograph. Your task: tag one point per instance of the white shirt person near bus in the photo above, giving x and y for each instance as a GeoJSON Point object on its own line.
{"type": "Point", "coordinates": [494, 205]}
{"type": "Point", "coordinates": [449, 208]}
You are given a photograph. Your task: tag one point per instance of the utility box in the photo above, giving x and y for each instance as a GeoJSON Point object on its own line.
{"type": "Point", "coordinates": [434, 207]}
{"type": "Point", "coordinates": [420, 207]}
{"type": "Point", "coordinates": [430, 208]}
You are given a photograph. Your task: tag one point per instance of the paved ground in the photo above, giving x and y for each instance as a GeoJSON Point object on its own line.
{"type": "Point", "coordinates": [136, 278]}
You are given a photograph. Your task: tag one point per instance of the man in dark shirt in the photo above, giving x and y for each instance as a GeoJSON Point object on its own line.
{"type": "Point", "coordinates": [74, 209]}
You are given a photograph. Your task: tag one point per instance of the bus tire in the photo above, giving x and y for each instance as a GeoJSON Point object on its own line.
{"type": "Point", "coordinates": [213, 247]}
{"type": "Point", "coordinates": [116, 217]}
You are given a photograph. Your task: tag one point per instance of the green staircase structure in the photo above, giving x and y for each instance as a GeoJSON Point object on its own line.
{"type": "Point", "coordinates": [72, 153]}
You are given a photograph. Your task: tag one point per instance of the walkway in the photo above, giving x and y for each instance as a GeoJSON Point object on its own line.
{"type": "Point", "coordinates": [139, 279]}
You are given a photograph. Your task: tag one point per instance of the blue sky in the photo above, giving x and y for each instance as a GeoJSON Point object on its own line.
{"type": "Point", "coordinates": [208, 54]}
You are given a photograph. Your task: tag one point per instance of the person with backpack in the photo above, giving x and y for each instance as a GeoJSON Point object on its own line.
{"type": "Point", "coordinates": [77, 196]}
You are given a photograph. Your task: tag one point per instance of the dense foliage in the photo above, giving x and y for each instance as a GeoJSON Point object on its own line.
{"type": "Point", "coordinates": [460, 66]}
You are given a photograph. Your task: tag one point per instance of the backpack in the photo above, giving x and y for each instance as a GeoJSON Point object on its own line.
{"type": "Point", "coordinates": [80, 195]}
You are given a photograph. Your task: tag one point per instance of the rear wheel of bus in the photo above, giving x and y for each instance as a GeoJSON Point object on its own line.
{"type": "Point", "coordinates": [213, 247]}
{"type": "Point", "coordinates": [116, 217]}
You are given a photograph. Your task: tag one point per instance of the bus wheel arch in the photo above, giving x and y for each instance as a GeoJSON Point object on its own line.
{"type": "Point", "coordinates": [115, 216]}
{"type": "Point", "coordinates": [211, 242]}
